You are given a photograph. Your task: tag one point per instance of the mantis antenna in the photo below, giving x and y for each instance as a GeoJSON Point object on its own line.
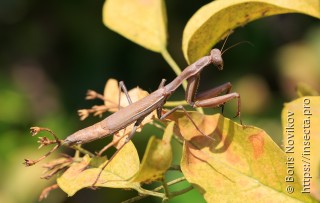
{"type": "Point", "coordinates": [242, 42]}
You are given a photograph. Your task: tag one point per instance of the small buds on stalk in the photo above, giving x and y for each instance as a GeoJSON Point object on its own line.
{"type": "Point", "coordinates": [44, 141]}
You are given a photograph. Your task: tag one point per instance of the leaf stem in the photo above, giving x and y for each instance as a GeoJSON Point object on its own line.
{"type": "Point", "coordinates": [182, 102]}
{"type": "Point", "coordinates": [165, 188]}
{"type": "Point", "coordinates": [175, 103]}
{"type": "Point", "coordinates": [173, 65]}
{"type": "Point", "coordinates": [149, 192]}
{"type": "Point", "coordinates": [178, 180]}
{"type": "Point", "coordinates": [143, 195]}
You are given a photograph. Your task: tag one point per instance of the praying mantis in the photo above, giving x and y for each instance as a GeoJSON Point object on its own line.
{"type": "Point", "coordinates": [135, 112]}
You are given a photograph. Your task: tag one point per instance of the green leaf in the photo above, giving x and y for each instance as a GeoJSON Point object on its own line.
{"type": "Point", "coordinates": [214, 21]}
{"type": "Point", "coordinates": [301, 138]}
{"type": "Point", "coordinates": [143, 22]}
{"type": "Point", "coordinates": [242, 163]}
{"type": "Point", "coordinates": [157, 158]}
{"type": "Point", "coordinates": [116, 175]}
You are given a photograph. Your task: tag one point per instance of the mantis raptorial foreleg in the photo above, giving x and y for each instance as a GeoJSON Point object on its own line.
{"type": "Point", "coordinates": [226, 87]}
{"type": "Point", "coordinates": [210, 98]}
{"type": "Point", "coordinates": [220, 100]}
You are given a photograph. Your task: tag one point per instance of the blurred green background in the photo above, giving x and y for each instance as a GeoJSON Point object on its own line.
{"type": "Point", "coordinates": [51, 52]}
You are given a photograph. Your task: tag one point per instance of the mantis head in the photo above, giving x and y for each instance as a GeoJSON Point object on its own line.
{"type": "Point", "coordinates": [216, 58]}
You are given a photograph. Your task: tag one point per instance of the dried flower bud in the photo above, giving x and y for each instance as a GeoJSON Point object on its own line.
{"type": "Point", "coordinates": [34, 130]}
{"type": "Point", "coordinates": [28, 162]}
{"type": "Point", "coordinates": [45, 192]}
{"type": "Point", "coordinates": [91, 94]}
{"type": "Point", "coordinates": [83, 113]}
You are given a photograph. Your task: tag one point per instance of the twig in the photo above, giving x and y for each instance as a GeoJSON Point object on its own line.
{"type": "Point", "coordinates": [142, 195]}
{"type": "Point", "coordinates": [165, 188]}
{"type": "Point", "coordinates": [180, 192]}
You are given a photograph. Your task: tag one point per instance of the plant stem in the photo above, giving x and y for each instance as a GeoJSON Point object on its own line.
{"type": "Point", "coordinates": [82, 150]}
{"type": "Point", "coordinates": [178, 180]}
{"type": "Point", "coordinates": [143, 195]}
{"type": "Point", "coordinates": [165, 188]}
{"type": "Point", "coordinates": [180, 192]}
{"type": "Point", "coordinates": [77, 154]}
{"type": "Point", "coordinates": [183, 103]}
{"type": "Point", "coordinates": [175, 103]}
{"type": "Point", "coordinates": [152, 193]}
{"type": "Point", "coordinates": [173, 65]}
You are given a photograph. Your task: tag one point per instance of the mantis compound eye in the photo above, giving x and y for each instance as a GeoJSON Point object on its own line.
{"type": "Point", "coordinates": [219, 66]}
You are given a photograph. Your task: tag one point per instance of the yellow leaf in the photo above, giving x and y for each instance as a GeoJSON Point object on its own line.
{"type": "Point", "coordinates": [167, 135]}
{"type": "Point", "coordinates": [111, 95]}
{"type": "Point", "coordinates": [301, 134]}
{"type": "Point", "coordinates": [242, 163]}
{"type": "Point", "coordinates": [141, 21]}
{"type": "Point", "coordinates": [157, 158]}
{"type": "Point", "coordinates": [303, 89]}
{"type": "Point", "coordinates": [156, 161]}
{"type": "Point", "coordinates": [116, 175]}
{"type": "Point", "coordinates": [214, 21]}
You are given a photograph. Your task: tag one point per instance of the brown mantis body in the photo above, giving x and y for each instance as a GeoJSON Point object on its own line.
{"type": "Point", "coordinates": [137, 111]}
